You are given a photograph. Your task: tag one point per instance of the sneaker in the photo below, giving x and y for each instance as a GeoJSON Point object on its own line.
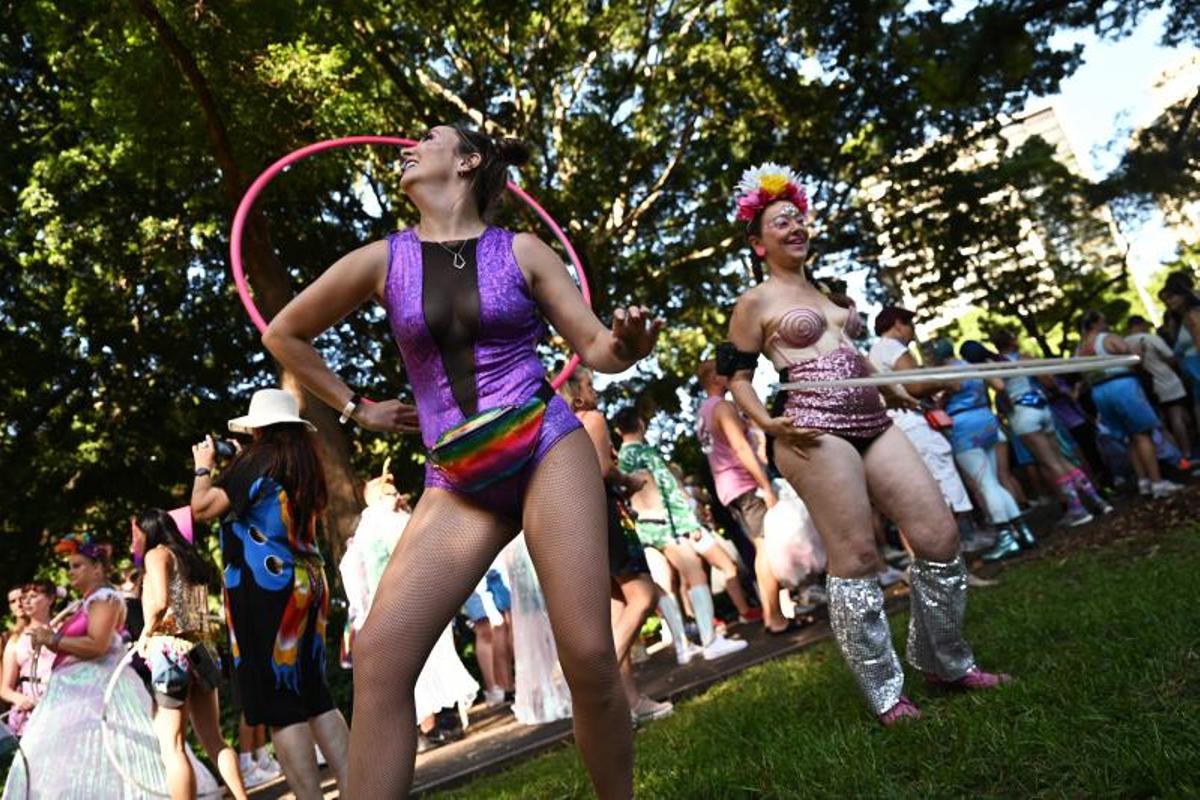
{"type": "Point", "coordinates": [904, 709]}
{"type": "Point", "coordinates": [753, 615]}
{"type": "Point", "coordinates": [1006, 545]}
{"type": "Point", "coordinates": [268, 766]}
{"type": "Point", "coordinates": [493, 697]}
{"type": "Point", "coordinates": [647, 710]}
{"type": "Point", "coordinates": [721, 647]}
{"type": "Point", "coordinates": [1074, 519]}
{"type": "Point", "coordinates": [1164, 488]}
{"type": "Point", "coordinates": [891, 576]}
{"type": "Point", "coordinates": [974, 680]}
{"type": "Point", "coordinates": [685, 655]}
{"type": "Point", "coordinates": [1145, 487]}
{"type": "Point", "coordinates": [253, 776]}
{"type": "Point", "coordinates": [1106, 509]}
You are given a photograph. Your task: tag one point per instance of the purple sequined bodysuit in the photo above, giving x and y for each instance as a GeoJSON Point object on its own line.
{"type": "Point", "coordinates": [469, 355]}
{"type": "Point", "coordinates": [854, 413]}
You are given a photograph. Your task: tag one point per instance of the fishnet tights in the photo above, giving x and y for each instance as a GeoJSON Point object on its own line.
{"type": "Point", "coordinates": [444, 551]}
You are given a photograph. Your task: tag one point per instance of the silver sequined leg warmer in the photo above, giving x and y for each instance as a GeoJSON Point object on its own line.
{"type": "Point", "coordinates": [860, 625]}
{"type": "Point", "coordinates": [939, 604]}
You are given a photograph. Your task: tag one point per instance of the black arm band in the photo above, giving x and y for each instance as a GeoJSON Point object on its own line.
{"type": "Point", "coordinates": [730, 359]}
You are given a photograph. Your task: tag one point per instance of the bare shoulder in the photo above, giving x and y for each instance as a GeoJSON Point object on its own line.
{"type": "Point", "coordinates": [531, 250]}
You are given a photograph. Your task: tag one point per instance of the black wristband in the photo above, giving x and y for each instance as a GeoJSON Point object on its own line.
{"type": "Point", "coordinates": [202, 471]}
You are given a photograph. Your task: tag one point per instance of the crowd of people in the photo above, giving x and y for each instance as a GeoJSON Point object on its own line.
{"type": "Point", "coordinates": [825, 497]}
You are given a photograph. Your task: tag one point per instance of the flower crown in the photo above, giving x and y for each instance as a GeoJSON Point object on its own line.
{"type": "Point", "coordinates": [84, 544]}
{"type": "Point", "coordinates": [763, 185]}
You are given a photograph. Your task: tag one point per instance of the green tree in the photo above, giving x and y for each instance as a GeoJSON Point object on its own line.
{"type": "Point", "coordinates": [133, 129]}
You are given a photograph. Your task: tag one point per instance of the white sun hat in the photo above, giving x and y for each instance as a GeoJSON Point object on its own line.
{"type": "Point", "coordinates": [270, 407]}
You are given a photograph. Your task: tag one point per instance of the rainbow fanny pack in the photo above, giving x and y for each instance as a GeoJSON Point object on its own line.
{"type": "Point", "coordinates": [492, 445]}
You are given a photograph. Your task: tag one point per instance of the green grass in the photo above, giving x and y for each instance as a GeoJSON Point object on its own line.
{"type": "Point", "coordinates": [1106, 648]}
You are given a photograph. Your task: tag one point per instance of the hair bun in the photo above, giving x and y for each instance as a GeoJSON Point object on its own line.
{"type": "Point", "coordinates": [512, 151]}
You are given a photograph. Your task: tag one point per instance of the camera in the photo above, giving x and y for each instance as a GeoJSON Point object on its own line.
{"type": "Point", "coordinates": [224, 448]}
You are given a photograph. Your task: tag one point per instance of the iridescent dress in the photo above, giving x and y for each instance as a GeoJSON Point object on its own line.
{"type": "Point", "coordinates": [63, 742]}
{"type": "Point", "coordinates": [542, 694]}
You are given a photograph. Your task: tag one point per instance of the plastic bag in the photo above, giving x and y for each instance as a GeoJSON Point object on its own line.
{"type": "Point", "coordinates": [794, 549]}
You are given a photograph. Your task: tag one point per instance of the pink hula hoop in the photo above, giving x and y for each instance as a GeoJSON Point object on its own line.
{"type": "Point", "coordinates": [260, 183]}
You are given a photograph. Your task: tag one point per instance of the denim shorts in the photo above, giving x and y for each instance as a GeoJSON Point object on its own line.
{"type": "Point", "coordinates": [1123, 406]}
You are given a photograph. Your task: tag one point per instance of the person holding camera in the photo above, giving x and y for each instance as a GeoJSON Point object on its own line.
{"type": "Point", "coordinates": [175, 643]}
{"type": "Point", "coordinates": [270, 497]}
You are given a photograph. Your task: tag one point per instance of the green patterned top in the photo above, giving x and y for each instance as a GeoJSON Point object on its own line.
{"type": "Point", "coordinates": [638, 456]}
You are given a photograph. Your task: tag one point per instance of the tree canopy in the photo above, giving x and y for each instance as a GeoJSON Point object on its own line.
{"type": "Point", "coordinates": [133, 129]}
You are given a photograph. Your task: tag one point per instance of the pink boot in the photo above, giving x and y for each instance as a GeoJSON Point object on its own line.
{"type": "Point", "coordinates": [974, 679]}
{"type": "Point", "coordinates": [904, 709]}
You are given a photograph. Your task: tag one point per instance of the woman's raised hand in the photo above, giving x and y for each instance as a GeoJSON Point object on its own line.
{"type": "Point", "coordinates": [634, 330]}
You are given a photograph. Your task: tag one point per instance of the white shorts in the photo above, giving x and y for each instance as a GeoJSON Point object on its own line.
{"type": "Point", "coordinates": [936, 452]}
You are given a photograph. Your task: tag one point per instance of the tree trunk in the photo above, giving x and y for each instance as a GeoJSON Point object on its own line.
{"type": "Point", "coordinates": [1031, 327]}
{"type": "Point", "coordinates": [272, 287]}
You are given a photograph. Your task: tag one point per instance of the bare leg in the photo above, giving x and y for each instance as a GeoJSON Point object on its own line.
{"type": "Point", "coordinates": [719, 559]}
{"type": "Point", "coordinates": [1145, 459]}
{"type": "Point", "coordinates": [412, 607]}
{"type": "Point", "coordinates": [687, 563]}
{"type": "Point", "coordinates": [833, 484]}
{"type": "Point", "coordinates": [768, 588]}
{"type": "Point", "coordinates": [906, 492]}
{"type": "Point", "coordinates": [294, 749]}
{"type": "Point", "coordinates": [1177, 418]}
{"type": "Point", "coordinates": [638, 596]}
{"type": "Point", "coordinates": [632, 696]}
{"type": "Point", "coordinates": [502, 654]}
{"type": "Point", "coordinates": [1004, 468]}
{"type": "Point", "coordinates": [831, 480]}
{"type": "Point", "coordinates": [1046, 451]}
{"type": "Point", "coordinates": [331, 733]}
{"type": "Point", "coordinates": [205, 712]}
{"type": "Point", "coordinates": [566, 527]}
{"type": "Point", "coordinates": [485, 639]}
{"type": "Point", "coordinates": [168, 727]}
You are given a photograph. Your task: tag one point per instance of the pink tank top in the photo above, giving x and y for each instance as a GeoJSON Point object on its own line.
{"type": "Point", "coordinates": [731, 478]}
{"type": "Point", "coordinates": [77, 625]}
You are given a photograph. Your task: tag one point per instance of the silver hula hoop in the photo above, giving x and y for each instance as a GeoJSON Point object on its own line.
{"type": "Point", "coordinates": [1010, 369]}
{"type": "Point", "coordinates": [106, 736]}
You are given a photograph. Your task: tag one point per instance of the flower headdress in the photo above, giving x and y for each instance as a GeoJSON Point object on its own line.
{"type": "Point", "coordinates": [763, 185]}
{"type": "Point", "coordinates": [85, 544]}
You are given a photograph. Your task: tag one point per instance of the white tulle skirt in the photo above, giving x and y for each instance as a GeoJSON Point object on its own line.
{"type": "Point", "coordinates": [542, 693]}
{"type": "Point", "coordinates": [63, 745]}
{"type": "Point", "coordinates": [444, 682]}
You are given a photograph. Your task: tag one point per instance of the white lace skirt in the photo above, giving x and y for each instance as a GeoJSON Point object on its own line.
{"type": "Point", "coordinates": [63, 746]}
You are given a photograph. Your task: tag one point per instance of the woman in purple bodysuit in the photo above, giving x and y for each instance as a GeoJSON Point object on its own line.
{"type": "Point", "coordinates": [463, 300]}
{"type": "Point", "coordinates": [839, 450]}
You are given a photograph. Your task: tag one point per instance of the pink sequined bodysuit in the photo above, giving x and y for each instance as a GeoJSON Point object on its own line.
{"type": "Point", "coordinates": [854, 413]}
